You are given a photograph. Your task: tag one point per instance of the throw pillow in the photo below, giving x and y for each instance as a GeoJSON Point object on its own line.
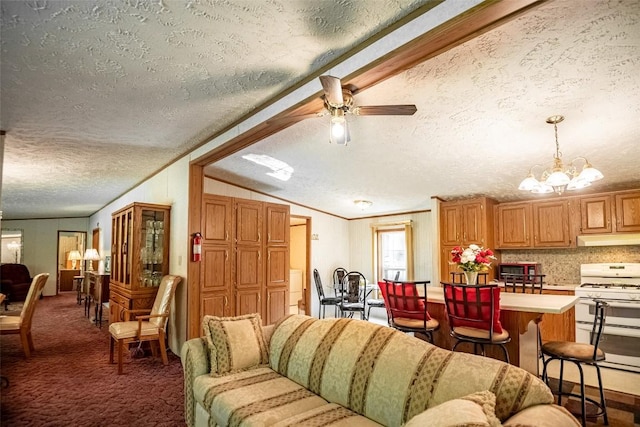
{"type": "Point", "coordinates": [477, 409]}
{"type": "Point", "coordinates": [235, 343]}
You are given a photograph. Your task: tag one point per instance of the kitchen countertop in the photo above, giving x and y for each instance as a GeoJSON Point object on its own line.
{"type": "Point", "coordinates": [533, 303]}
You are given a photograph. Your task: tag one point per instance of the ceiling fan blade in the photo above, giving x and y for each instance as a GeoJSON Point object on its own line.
{"type": "Point", "coordinates": [385, 110]}
{"type": "Point", "coordinates": [332, 90]}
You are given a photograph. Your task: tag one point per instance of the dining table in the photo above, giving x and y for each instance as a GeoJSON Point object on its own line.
{"type": "Point", "coordinates": [520, 314]}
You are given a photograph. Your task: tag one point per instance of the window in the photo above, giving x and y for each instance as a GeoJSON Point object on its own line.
{"type": "Point", "coordinates": [393, 253]}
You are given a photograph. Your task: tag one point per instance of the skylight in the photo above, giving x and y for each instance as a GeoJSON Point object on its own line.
{"type": "Point", "coordinates": [279, 169]}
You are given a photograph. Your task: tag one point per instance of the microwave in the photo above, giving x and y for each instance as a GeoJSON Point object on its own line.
{"type": "Point", "coordinates": [527, 268]}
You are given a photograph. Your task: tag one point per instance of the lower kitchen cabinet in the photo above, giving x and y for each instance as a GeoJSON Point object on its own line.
{"type": "Point", "coordinates": [558, 327]}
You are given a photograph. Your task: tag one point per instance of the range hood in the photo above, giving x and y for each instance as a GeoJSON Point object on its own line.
{"type": "Point", "coordinates": [609, 239]}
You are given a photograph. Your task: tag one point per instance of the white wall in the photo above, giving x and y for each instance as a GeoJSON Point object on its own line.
{"type": "Point", "coordinates": [40, 244]}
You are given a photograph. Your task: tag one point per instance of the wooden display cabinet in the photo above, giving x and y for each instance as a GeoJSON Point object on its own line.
{"type": "Point", "coordinates": [139, 257]}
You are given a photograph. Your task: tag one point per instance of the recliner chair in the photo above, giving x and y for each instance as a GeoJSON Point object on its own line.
{"type": "Point", "coordinates": [15, 282]}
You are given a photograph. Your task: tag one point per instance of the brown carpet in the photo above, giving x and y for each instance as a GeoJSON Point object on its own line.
{"type": "Point", "coordinates": [68, 380]}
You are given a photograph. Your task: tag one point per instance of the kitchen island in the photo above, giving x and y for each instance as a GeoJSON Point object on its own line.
{"type": "Point", "coordinates": [519, 314]}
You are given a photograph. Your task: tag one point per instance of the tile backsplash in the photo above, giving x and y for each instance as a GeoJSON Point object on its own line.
{"type": "Point", "coordinates": [562, 266]}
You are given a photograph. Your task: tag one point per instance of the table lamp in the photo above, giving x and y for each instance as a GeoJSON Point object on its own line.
{"type": "Point", "coordinates": [74, 257]}
{"type": "Point", "coordinates": [91, 255]}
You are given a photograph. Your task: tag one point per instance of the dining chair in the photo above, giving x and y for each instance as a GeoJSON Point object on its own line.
{"type": "Point", "coordinates": [406, 304]}
{"type": "Point", "coordinates": [150, 327]}
{"type": "Point", "coordinates": [579, 354]}
{"type": "Point", "coordinates": [324, 300]}
{"type": "Point", "coordinates": [338, 275]}
{"type": "Point", "coordinates": [354, 298]}
{"type": "Point", "coordinates": [523, 283]}
{"type": "Point", "coordinates": [22, 324]}
{"type": "Point", "coordinates": [474, 316]}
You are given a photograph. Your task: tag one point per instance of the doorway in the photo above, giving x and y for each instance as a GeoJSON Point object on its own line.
{"type": "Point", "coordinates": [71, 246]}
{"type": "Point", "coordinates": [299, 264]}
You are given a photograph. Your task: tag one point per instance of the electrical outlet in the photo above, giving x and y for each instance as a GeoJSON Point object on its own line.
{"type": "Point", "coordinates": [314, 236]}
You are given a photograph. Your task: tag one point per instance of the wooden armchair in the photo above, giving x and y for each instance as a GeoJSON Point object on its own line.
{"type": "Point", "coordinates": [22, 324]}
{"type": "Point", "coordinates": [150, 327]}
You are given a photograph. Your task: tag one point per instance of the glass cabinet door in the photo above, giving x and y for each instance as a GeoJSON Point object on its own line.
{"type": "Point", "coordinates": [152, 248]}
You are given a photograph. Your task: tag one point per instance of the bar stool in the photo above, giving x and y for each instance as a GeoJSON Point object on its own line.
{"type": "Point", "coordinates": [581, 353]}
{"type": "Point", "coordinates": [77, 281]}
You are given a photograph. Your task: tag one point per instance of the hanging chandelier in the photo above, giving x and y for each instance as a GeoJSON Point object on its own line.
{"type": "Point", "coordinates": [560, 178]}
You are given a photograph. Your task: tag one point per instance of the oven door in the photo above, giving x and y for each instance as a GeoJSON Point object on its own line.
{"type": "Point", "coordinates": [621, 345]}
{"type": "Point", "coordinates": [620, 312]}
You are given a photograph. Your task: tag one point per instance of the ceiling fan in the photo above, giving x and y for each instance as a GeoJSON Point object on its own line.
{"type": "Point", "coordinates": [338, 102]}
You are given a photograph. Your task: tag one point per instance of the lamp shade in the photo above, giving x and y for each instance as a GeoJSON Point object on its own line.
{"type": "Point", "coordinates": [75, 256]}
{"type": "Point", "coordinates": [91, 255]}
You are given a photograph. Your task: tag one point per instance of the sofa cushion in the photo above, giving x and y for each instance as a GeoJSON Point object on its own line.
{"type": "Point", "coordinates": [477, 409]}
{"type": "Point", "coordinates": [235, 343]}
{"type": "Point", "coordinates": [258, 396]}
{"type": "Point", "coordinates": [543, 416]}
{"type": "Point", "coordinates": [329, 415]}
{"type": "Point", "coordinates": [389, 376]}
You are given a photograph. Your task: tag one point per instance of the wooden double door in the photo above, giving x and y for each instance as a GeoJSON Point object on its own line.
{"type": "Point", "coordinates": [245, 258]}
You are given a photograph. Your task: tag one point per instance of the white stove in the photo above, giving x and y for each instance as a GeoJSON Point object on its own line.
{"type": "Point", "coordinates": [619, 285]}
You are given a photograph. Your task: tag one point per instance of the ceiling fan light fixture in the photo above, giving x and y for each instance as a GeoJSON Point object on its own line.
{"type": "Point", "coordinates": [560, 178]}
{"type": "Point", "coordinates": [338, 130]}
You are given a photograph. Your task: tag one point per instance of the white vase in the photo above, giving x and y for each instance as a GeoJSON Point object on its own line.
{"type": "Point", "coordinates": [471, 277]}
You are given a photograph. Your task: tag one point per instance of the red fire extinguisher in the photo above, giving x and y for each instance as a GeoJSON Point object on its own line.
{"type": "Point", "coordinates": [197, 247]}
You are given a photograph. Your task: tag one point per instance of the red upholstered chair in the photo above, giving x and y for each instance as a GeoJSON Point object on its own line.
{"type": "Point", "coordinates": [407, 307]}
{"type": "Point", "coordinates": [15, 282]}
{"type": "Point", "coordinates": [474, 316]}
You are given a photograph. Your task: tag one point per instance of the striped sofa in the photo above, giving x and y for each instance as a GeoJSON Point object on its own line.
{"type": "Point", "coordinates": [348, 372]}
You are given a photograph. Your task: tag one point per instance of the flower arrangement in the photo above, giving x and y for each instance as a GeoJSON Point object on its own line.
{"type": "Point", "coordinates": [473, 258]}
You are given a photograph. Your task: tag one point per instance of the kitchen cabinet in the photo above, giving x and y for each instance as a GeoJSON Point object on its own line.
{"type": "Point", "coordinates": [558, 327]}
{"type": "Point", "coordinates": [595, 214]}
{"type": "Point", "coordinates": [464, 222]}
{"type": "Point", "coordinates": [627, 211]}
{"type": "Point", "coordinates": [139, 257]}
{"type": "Point", "coordinates": [513, 225]}
{"type": "Point", "coordinates": [551, 224]}
{"type": "Point", "coordinates": [245, 258]}
{"type": "Point", "coordinates": [539, 224]}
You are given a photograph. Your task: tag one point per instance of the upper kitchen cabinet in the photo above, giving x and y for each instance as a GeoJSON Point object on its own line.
{"type": "Point", "coordinates": [540, 224]}
{"type": "Point", "coordinates": [595, 214]}
{"type": "Point", "coordinates": [551, 224]}
{"type": "Point", "coordinates": [597, 211]}
{"type": "Point", "coordinates": [464, 222]}
{"type": "Point", "coordinates": [513, 225]}
{"type": "Point", "coordinates": [627, 211]}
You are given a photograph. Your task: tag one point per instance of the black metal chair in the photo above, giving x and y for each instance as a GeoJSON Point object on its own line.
{"type": "Point", "coordinates": [407, 307]}
{"type": "Point", "coordinates": [354, 298]}
{"type": "Point", "coordinates": [379, 302]}
{"type": "Point", "coordinates": [579, 354]}
{"type": "Point", "coordinates": [324, 300]}
{"type": "Point", "coordinates": [338, 275]}
{"type": "Point", "coordinates": [523, 283]}
{"type": "Point", "coordinates": [474, 316]}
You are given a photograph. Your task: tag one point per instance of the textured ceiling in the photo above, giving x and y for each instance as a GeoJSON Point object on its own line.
{"type": "Point", "coordinates": [481, 119]}
{"type": "Point", "coordinates": [96, 96]}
